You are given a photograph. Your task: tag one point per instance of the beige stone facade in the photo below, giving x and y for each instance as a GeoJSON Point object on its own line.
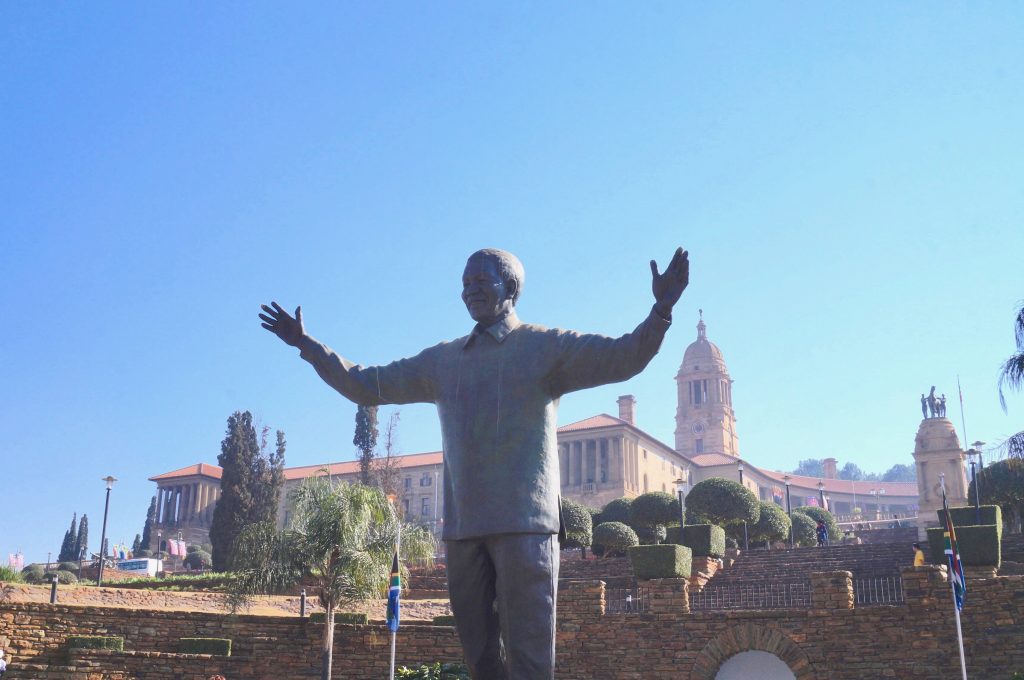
{"type": "Point", "coordinates": [939, 458]}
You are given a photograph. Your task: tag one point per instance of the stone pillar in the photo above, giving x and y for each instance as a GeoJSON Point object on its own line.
{"type": "Point", "coordinates": [670, 597]}
{"type": "Point", "coordinates": [579, 603]}
{"type": "Point", "coordinates": [186, 502]}
{"type": "Point", "coordinates": [591, 454]}
{"type": "Point", "coordinates": [159, 505]}
{"type": "Point", "coordinates": [926, 586]}
{"type": "Point", "coordinates": [832, 590]}
{"type": "Point", "coordinates": [937, 452]}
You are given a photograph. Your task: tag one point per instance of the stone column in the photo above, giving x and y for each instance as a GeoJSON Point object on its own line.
{"type": "Point", "coordinates": [670, 597]}
{"type": "Point", "coordinates": [832, 590]}
{"type": "Point", "coordinates": [159, 504]}
{"type": "Point", "coordinates": [926, 586]}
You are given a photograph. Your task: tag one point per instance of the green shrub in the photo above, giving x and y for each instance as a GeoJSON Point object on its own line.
{"type": "Point", "coordinates": [772, 525]}
{"type": "Point", "coordinates": [215, 646]}
{"type": "Point", "coordinates": [68, 566]}
{"type": "Point", "coordinates": [95, 642]}
{"type": "Point", "coordinates": [650, 535]}
{"type": "Point", "coordinates": [816, 513]}
{"type": "Point", "coordinates": [579, 526]}
{"type": "Point", "coordinates": [979, 546]}
{"type": "Point", "coordinates": [437, 671]}
{"type": "Point", "coordinates": [444, 620]}
{"type": "Point", "coordinates": [33, 573]}
{"type": "Point", "coordinates": [660, 561]}
{"type": "Point", "coordinates": [198, 559]}
{"type": "Point", "coordinates": [341, 617]}
{"type": "Point", "coordinates": [805, 530]}
{"type": "Point", "coordinates": [651, 510]}
{"type": "Point", "coordinates": [613, 538]}
{"type": "Point", "coordinates": [722, 501]}
{"type": "Point", "coordinates": [616, 511]}
{"type": "Point", "coordinates": [9, 575]}
{"type": "Point", "coordinates": [966, 516]}
{"type": "Point", "coordinates": [704, 540]}
{"type": "Point", "coordinates": [65, 578]}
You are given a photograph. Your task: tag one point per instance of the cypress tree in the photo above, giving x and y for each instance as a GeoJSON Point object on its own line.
{"type": "Point", "coordinates": [147, 528]}
{"type": "Point", "coordinates": [82, 542]}
{"type": "Point", "coordinates": [250, 485]}
{"type": "Point", "coordinates": [365, 440]}
{"type": "Point", "coordinates": [67, 547]}
{"type": "Point", "coordinates": [137, 544]}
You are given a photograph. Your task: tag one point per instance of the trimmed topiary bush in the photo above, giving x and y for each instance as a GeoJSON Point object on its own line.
{"type": "Point", "coordinates": [65, 578]}
{"type": "Point", "coordinates": [341, 617]}
{"type": "Point", "coordinates": [33, 573]}
{"type": "Point", "coordinates": [980, 546]}
{"type": "Point", "coordinates": [95, 642]}
{"type": "Point", "coordinates": [721, 501]}
{"type": "Point", "coordinates": [704, 540]}
{"type": "Point", "coordinates": [579, 527]}
{"type": "Point", "coordinates": [804, 530]}
{"type": "Point", "coordinates": [614, 538]}
{"type": "Point", "coordinates": [660, 561]}
{"type": "Point", "coordinates": [214, 646]}
{"type": "Point", "coordinates": [966, 516]}
{"type": "Point", "coordinates": [650, 535]}
{"type": "Point", "coordinates": [616, 511]}
{"type": "Point", "coordinates": [772, 524]}
{"type": "Point", "coordinates": [816, 513]}
{"type": "Point", "coordinates": [650, 511]}
{"type": "Point", "coordinates": [198, 559]}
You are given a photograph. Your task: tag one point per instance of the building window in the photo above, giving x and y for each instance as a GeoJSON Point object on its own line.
{"type": "Point", "coordinates": [408, 483]}
{"type": "Point", "coordinates": [698, 446]}
{"type": "Point", "coordinates": [426, 480]}
{"type": "Point", "coordinates": [698, 392]}
{"type": "Point", "coordinates": [425, 507]}
{"type": "Point", "coordinates": [645, 482]}
{"type": "Point", "coordinates": [405, 507]}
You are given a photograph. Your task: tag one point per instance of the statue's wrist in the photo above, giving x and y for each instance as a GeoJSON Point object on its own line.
{"type": "Point", "coordinates": [663, 310]}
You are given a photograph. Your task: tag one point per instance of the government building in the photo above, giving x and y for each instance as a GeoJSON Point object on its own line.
{"type": "Point", "coordinates": [605, 457]}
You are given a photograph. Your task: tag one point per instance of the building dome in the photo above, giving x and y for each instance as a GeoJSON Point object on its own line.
{"type": "Point", "coordinates": [702, 349]}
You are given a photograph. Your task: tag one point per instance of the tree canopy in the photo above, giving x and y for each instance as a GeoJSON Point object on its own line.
{"type": "Point", "coordinates": [1002, 484]}
{"type": "Point", "coordinates": [579, 528]}
{"type": "Point", "coordinates": [616, 511]}
{"type": "Point", "coordinates": [365, 440]}
{"type": "Point", "coordinates": [804, 529]}
{"type": "Point", "coordinates": [147, 528]}
{"type": "Point", "coordinates": [772, 524]}
{"type": "Point", "coordinates": [811, 467]}
{"type": "Point", "coordinates": [67, 546]}
{"type": "Point", "coordinates": [613, 538]}
{"type": "Point", "coordinates": [341, 539]}
{"type": "Point", "coordinates": [250, 485]}
{"type": "Point", "coordinates": [1012, 375]}
{"type": "Point", "coordinates": [722, 501]}
{"type": "Point", "coordinates": [816, 513]}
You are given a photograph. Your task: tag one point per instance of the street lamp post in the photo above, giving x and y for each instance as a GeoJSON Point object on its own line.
{"type": "Point", "coordinates": [746, 543]}
{"type": "Point", "coordinates": [821, 494]}
{"type": "Point", "coordinates": [103, 533]}
{"type": "Point", "coordinates": [681, 484]}
{"type": "Point", "coordinates": [974, 480]}
{"type": "Point", "coordinates": [159, 550]}
{"type": "Point", "coordinates": [789, 510]}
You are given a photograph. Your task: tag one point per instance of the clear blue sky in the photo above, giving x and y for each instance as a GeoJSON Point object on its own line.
{"type": "Point", "coordinates": [847, 179]}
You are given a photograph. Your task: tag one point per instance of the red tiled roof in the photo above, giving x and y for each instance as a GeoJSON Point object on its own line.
{"type": "Point", "coordinates": [352, 466]}
{"type": "Point", "coordinates": [202, 469]}
{"type": "Point", "coordinates": [703, 459]}
{"type": "Point", "coordinates": [845, 485]}
{"type": "Point", "coordinates": [600, 420]}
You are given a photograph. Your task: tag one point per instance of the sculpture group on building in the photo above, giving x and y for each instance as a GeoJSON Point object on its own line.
{"type": "Point", "coordinates": [932, 406]}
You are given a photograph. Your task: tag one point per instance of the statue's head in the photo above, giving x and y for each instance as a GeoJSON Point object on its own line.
{"type": "Point", "coordinates": [491, 284]}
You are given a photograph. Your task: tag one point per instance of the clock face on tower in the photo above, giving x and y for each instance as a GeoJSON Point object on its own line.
{"type": "Point", "coordinates": [697, 427]}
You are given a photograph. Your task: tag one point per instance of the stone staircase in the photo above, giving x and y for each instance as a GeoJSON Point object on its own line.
{"type": "Point", "coordinates": [796, 565]}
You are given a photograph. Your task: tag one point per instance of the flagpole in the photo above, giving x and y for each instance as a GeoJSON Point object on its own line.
{"type": "Point", "coordinates": [963, 422]}
{"type": "Point", "coordinates": [952, 580]}
{"type": "Point", "coordinates": [398, 557]}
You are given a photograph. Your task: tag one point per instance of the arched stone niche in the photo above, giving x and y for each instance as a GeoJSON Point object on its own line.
{"type": "Point", "coordinates": [746, 638]}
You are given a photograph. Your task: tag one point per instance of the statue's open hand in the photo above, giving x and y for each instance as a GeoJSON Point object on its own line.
{"type": "Point", "coordinates": [282, 324]}
{"type": "Point", "coordinates": [669, 286]}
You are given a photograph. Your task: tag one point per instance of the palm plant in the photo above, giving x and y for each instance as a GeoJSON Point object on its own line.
{"type": "Point", "coordinates": [341, 539]}
{"type": "Point", "coordinates": [1012, 375]}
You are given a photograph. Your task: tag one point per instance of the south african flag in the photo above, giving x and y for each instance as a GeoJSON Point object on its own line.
{"type": "Point", "coordinates": [393, 594]}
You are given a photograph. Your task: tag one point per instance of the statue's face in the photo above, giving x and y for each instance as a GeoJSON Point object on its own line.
{"type": "Point", "coordinates": [483, 290]}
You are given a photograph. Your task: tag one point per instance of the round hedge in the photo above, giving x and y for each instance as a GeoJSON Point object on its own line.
{"type": "Point", "coordinates": [653, 508]}
{"type": "Point", "coordinates": [68, 566]}
{"type": "Point", "coordinates": [198, 559]}
{"type": "Point", "coordinates": [772, 525]}
{"type": "Point", "coordinates": [64, 577]}
{"type": "Point", "coordinates": [579, 526]}
{"type": "Point", "coordinates": [804, 530]}
{"type": "Point", "coordinates": [616, 511]}
{"type": "Point", "coordinates": [614, 538]}
{"type": "Point", "coordinates": [816, 513]}
{"type": "Point", "coordinates": [721, 501]}
{"type": "Point", "coordinates": [33, 573]}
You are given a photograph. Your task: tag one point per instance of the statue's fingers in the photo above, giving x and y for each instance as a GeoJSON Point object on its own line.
{"type": "Point", "coordinates": [267, 319]}
{"type": "Point", "coordinates": [298, 313]}
{"type": "Point", "coordinates": [278, 308]}
{"type": "Point", "coordinates": [269, 327]}
{"type": "Point", "coordinates": [654, 269]}
{"type": "Point", "coordinates": [268, 310]}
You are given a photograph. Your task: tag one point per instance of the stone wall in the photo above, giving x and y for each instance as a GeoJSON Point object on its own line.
{"type": "Point", "coordinates": [831, 640]}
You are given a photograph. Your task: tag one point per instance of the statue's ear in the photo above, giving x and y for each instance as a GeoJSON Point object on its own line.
{"type": "Point", "coordinates": [511, 289]}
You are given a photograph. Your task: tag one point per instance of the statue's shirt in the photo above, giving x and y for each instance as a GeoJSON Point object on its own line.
{"type": "Point", "coordinates": [496, 392]}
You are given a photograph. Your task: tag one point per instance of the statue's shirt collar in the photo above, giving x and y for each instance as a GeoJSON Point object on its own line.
{"type": "Point", "coordinates": [498, 330]}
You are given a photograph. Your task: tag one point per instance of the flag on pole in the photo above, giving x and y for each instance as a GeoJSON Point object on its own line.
{"type": "Point", "coordinates": [956, 569]}
{"type": "Point", "coordinates": [393, 594]}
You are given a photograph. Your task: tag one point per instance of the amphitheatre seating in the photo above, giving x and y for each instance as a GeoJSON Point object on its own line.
{"type": "Point", "coordinates": [1013, 547]}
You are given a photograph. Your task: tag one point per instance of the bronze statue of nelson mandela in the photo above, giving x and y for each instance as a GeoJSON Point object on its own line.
{"type": "Point", "coordinates": [496, 392]}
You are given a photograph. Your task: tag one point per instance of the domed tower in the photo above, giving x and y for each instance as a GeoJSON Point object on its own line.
{"type": "Point", "coordinates": [705, 421]}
